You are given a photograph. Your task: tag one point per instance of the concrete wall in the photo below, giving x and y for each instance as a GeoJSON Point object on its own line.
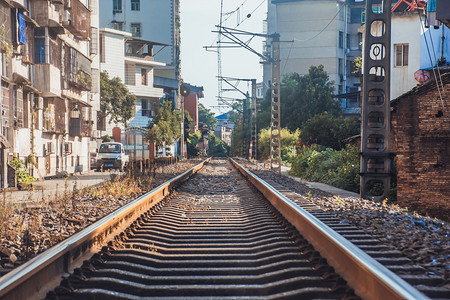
{"type": "Point", "coordinates": [406, 29]}
{"type": "Point", "coordinates": [315, 43]}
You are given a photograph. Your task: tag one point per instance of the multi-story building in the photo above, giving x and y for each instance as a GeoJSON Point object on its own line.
{"type": "Point", "coordinates": [224, 128]}
{"type": "Point", "coordinates": [317, 32]}
{"type": "Point", "coordinates": [132, 61]}
{"type": "Point", "coordinates": [191, 106]}
{"type": "Point", "coordinates": [50, 84]}
{"type": "Point", "coordinates": [157, 21]}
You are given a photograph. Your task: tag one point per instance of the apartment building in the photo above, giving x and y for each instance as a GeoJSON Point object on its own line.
{"type": "Point", "coordinates": [49, 85]}
{"type": "Point", "coordinates": [131, 60]}
{"type": "Point", "coordinates": [157, 21]}
{"type": "Point", "coordinates": [318, 32]}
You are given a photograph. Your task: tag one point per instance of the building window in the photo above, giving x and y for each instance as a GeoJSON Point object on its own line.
{"type": "Point", "coordinates": [144, 77]}
{"type": "Point", "coordinates": [356, 14]}
{"type": "Point", "coordinates": [341, 67]}
{"type": "Point", "coordinates": [117, 25]}
{"type": "Point", "coordinates": [341, 39]}
{"type": "Point", "coordinates": [117, 6]}
{"type": "Point", "coordinates": [401, 55]}
{"type": "Point", "coordinates": [146, 108]}
{"type": "Point", "coordinates": [348, 41]}
{"type": "Point", "coordinates": [135, 5]}
{"type": "Point", "coordinates": [136, 29]}
{"type": "Point", "coordinates": [39, 45]}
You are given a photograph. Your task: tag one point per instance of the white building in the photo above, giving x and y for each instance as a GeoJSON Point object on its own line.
{"type": "Point", "coordinates": [157, 21]}
{"type": "Point", "coordinates": [414, 48]}
{"type": "Point", "coordinates": [317, 32]}
{"type": "Point", "coordinates": [131, 60]}
{"type": "Point", "coordinates": [50, 87]}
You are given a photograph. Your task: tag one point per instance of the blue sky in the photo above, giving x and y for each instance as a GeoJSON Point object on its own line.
{"type": "Point", "coordinates": [198, 66]}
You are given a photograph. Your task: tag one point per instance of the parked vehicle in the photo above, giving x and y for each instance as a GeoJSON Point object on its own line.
{"type": "Point", "coordinates": [112, 155]}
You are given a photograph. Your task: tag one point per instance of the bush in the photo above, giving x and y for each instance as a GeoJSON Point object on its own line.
{"type": "Point", "coordinates": [333, 167]}
{"type": "Point", "coordinates": [288, 144]}
{"type": "Point", "coordinates": [21, 171]}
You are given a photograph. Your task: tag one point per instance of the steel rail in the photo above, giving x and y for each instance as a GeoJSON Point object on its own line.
{"type": "Point", "coordinates": [43, 273]}
{"type": "Point", "coordinates": [366, 276]}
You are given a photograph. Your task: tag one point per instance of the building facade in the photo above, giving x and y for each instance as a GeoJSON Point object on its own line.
{"type": "Point", "coordinates": [50, 85]}
{"type": "Point", "coordinates": [317, 32]}
{"type": "Point", "coordinates": [132, 61]}
{"type": "Point", "coordinates": [157, 21]}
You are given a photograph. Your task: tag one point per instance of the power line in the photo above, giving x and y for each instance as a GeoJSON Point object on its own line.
{"type": "Point", "coordinates": [297, 40]}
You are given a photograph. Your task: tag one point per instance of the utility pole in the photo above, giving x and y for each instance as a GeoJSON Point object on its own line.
{"type": "Point", "coordinates": [253, 137]}
{"type": "Point", "coordinates": [275, 126]}
{"type": "Point", "coordinates": [376, 158]}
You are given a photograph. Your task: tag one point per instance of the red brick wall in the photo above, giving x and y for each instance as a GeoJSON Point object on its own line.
{"type": "Point", "coordinates": [191, 105]}
{"type": "Point", "coordinates": [421, 140]}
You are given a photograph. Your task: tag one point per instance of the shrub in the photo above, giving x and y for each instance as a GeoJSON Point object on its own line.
{"type": "Point", "coordinates": [21, 171]}
{"type": "Point", "coordinates": [288, 144]}
{"type": "Point", "coordinates": [337, 168]}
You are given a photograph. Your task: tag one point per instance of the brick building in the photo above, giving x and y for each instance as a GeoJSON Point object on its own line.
{"type": "Point", "coordinates": [420, 136]}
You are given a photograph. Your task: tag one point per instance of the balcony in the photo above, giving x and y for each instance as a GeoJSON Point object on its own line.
{"type": "Point", "coordinates": [47, 14]}
{"type": "Point", "coordinates": [77, 19]}
{"type": "Point", "coordinates": [47, 79]}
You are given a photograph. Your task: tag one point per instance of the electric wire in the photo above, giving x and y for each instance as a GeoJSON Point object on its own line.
{"type": "Point", "coordinates": [436, 61]}
{"type": "Point", "coordinates": [434, 71]}
{"type": "Point", "coordinates": [320, 32]}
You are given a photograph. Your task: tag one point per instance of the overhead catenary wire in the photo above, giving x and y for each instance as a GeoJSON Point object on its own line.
{"type": "Point", "coordinates": [434, 72]}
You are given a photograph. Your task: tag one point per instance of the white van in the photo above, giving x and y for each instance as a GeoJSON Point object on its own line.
{"type": "Point", "coordinates": [112, 155]}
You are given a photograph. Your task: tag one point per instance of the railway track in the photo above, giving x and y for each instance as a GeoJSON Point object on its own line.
{"type": "Point", "coordinates": [212, 237]}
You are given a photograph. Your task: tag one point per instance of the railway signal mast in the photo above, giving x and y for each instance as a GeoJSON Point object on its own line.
{"type": "Point", "coordinates": [376, 158]}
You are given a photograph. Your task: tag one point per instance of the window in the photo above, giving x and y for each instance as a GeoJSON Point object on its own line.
{"type": "Point", "coordinates": [348, 41]}
{"type": "Point", "coordinates": [136, 29]}
{"type": "Point", "coordinates": [356, 15]}
{"type": "Point", "coordinates": [144, 76]}
{"type": "Point", "coordinates": [117, 6]}
{"type": "Point", "coordinates": [146, 108]}
{"type": "Point", "coordinates": [341, 39]}
{"type": "Point", "coordinates": [39, 45]}
{"type": "Point", "coordinates": [341, 66]}
{"type": "Point", "coordinates": [117, 25]}
{"type": "Point", "coordinates": [135, 5]}
{"type": "Point", "coordinates": [401, 55]}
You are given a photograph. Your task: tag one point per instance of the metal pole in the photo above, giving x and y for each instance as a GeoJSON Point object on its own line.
{"type": "Point", "coordinates": [275, 125]}
{"type": "Point", "coordinates": [376, 158]}
{"type": "Point", "coordinates": [254, 136]}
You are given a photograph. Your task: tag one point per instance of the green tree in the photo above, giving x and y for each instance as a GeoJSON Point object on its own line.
{"type": "Point", "coordinates": [165, 128]}
{"type": "Point", "coordinates": [116, 101]}
{"type": "Point", "coordinates": [206, 116]}
{"type": "Point", "coordinates": [217, 147]}
{"type": "Point", "coordinates": [302, 97]}
{"type": "Point", "coordinates": [329, 130]}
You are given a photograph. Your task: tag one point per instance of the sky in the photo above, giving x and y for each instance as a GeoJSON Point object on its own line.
{"type": "Point", "coordinates": [198, 66]}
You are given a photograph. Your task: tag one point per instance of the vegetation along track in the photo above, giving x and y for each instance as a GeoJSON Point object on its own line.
{"type": "Point", "coordinates": [216, 237]}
